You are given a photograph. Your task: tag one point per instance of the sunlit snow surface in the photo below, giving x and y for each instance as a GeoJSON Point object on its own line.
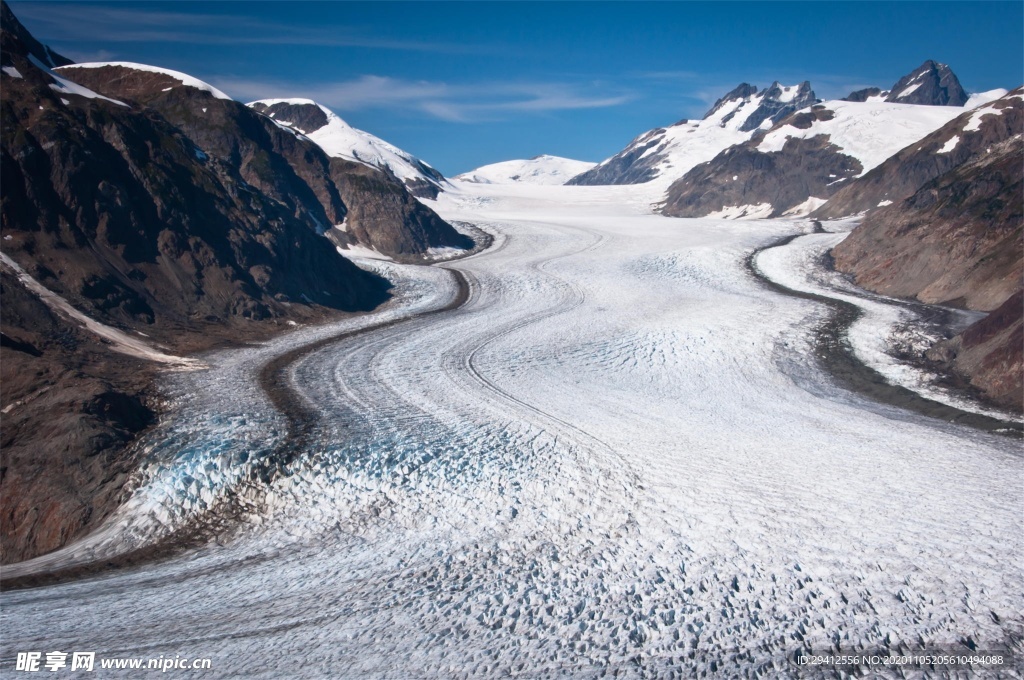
{"type": "Point", "coordinates": [602, 463]}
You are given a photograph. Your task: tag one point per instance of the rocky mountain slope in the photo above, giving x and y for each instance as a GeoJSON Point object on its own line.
{"type": "Point", "coordinates": [541, 169]}
{"type": "Point", "coordinates": [989, 354]}
{"type": "Point", "coordinates": [164, 222]}
{"type": "Point", "coordinates": [350, 201]}
{"type": "Point", "coordinates": [958, 241]}
{"type": "Point", "coordinates": [798, 164]}
{"type": "Point", "coordinates": [668, 153]}
{"type": "Point", "coordinates": [924, 159]}
{"type": "Point", "coordinates": [340, 140]}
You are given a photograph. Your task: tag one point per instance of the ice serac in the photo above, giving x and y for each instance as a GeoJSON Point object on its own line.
{"type": "Point", "coordinates": [932, 84]}
{"type": "Point", "coordinates": [283, 163]}
{"type": "Point", "coordinates": [109, 208]}
{"type": "Point", "coordinates": [341, 140]}
{"type": "Point", "coordinates": [668, 153]}
{"type": "Point", "coordinates": [543, 169]}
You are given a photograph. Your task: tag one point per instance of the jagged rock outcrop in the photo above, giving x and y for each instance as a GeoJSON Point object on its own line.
{"type": "Point", "coordinates": [746, 182]}
{"type": "Point", "coordinates": [852, 136]}
{"type": "Point", "coordinates": [931, 84]}
{"type": "Point", "coordinates": [777, 102]}
{"type": "Point", "coordinates": [668, 153]}
{"type": "Point", "coordinates": [28, 45]}
{"type": "Point", "coordinates": [742, 92]}
{"type": "Point", "coordinates": [903, 173]}
{"type": "Point", "coordinates": [864, 95]}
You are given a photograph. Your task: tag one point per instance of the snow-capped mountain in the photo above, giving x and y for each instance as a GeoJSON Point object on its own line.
{"type": "Point", "coordinates": [541, 169]}
{"type": "Point", "coordinates": [669, 153]}
{"type": "Point", "coordinates": [339, 139]}
{"type": "Point", "coordinates": [794, 167]}
{"type": "Point", "coordinates": [988, 120]}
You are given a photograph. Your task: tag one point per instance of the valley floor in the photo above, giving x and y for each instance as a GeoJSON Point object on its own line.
{"type": "Point", "coordinates": [619, 456]}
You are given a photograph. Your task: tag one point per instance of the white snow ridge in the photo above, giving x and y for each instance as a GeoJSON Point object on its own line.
{"type": "Point", "coordinates": [541, 169]}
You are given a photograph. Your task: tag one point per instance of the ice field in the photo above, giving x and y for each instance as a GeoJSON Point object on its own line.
{"type": "Point", "coordinates": [618, 458]}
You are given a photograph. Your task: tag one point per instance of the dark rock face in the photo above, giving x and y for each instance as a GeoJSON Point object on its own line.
{"type": "Point", "coordinates": [71, 407]}
{"type": "Point", "coordinates": [957, 240]}
{"type": "Point", "coordinates": [305, 118]}
{"type": "Point", "coordinates": [903, 173]}
{"type": "Point", "coordinates": [375, 200]}
{"type": "Point", "coordinates": [281, 163]}
{"type": "Point", "coordinates": [774, 108]}
{"type": "Point", "coordinates": [27, 42]}
{"type": "Point", "coordinates": [862, 95]}
{"type": "Point", "coordinates": [989, 354]}
{"type": "Point", "coordinates": [932, 84]}
{"type": "Point", "coordinates": [743, 175]}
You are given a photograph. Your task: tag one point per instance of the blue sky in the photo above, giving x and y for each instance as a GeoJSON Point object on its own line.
{"type": "Point", "coordinates": [461, 84]}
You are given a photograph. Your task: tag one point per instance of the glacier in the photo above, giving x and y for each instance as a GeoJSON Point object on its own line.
{"type": "Point", "coordinates": [618, 458]}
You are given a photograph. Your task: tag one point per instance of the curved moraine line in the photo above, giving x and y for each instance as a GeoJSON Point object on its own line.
{"type": "Point", "coordinates": [832, 346]}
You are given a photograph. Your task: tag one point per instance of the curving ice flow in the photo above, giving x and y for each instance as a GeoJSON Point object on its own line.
{"type": "Point", "coordinates": [600, 464]}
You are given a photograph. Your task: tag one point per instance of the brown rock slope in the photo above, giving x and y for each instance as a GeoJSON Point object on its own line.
{"type": "Point", "coordinates": [989, 354]}
{"type": "Point", "coordinates": [957, 241]}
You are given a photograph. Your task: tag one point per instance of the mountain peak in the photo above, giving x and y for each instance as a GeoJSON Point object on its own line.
{"type": "Point", "coordinates": [930, 84]}
{"type": "Point", "coordinates": [777, 102]}
{"type": "Point", "coordinates": [741, 92]}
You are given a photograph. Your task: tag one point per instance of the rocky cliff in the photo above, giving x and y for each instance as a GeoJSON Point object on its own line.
{"type": "Point", "coordinates": [956, 240]}
{"type": "Point", "coordinates": [931, 84]}
{"type": "Point", "coordinates": [989, 354]}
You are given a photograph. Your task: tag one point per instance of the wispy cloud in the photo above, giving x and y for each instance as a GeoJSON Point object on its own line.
{"type": "Point", "coordinates": [464, 102]}
{"type": "Point", "coordinates": [69, 22]}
